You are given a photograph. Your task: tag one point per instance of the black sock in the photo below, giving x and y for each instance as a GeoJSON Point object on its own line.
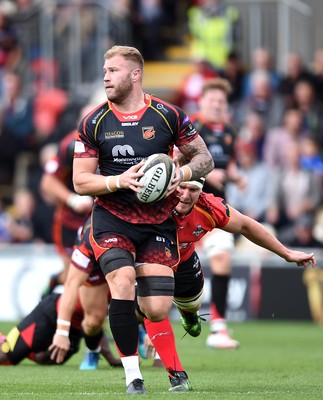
{"type": "Point", "coordinates": [220, 285]}
{"type": "Point", "coordinates": [93, 342]}
{"type": "Point", "coordinates": [124, 325]}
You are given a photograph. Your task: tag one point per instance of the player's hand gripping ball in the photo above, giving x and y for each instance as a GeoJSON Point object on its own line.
{"type": "Point", "coordinates": [159, 170]}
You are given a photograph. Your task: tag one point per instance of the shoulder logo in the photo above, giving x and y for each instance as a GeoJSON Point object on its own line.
{"type": "Point", "coordinates": [148, 132]}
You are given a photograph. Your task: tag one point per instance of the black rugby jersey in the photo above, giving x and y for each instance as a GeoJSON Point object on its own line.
{"type": "Point", "coordinates": [121, 140]}
{"type": "Point", "coordinates": [219, 139]}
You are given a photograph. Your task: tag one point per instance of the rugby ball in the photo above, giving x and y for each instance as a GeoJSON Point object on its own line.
{"type": "Point", "coordinates": [159, 170]}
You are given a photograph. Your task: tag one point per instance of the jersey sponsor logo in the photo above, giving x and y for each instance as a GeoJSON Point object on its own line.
{"type": "Point", "coordinates": [148, 132]}
{"type": "Point", "coordinates": [111, 240]}
{"type": "Point", "coordinates": [114, 135]}
{"type": "Point", "coordinates": [129, 123]}
{"type": "Point", "coordinates": [122, 150]}
{"type": "Point", "coordinates": [190, 130]}
{"type": "Point", "coordinates": [162, 108]}
{"type": "Point", "coordinates": [168, 252]}
{"type": "Point", "coordinates": [130, 117]}
{"type": "Point", "coordinates": [79, 147]}
{"type": "Point", "coordinates": [95, 118]}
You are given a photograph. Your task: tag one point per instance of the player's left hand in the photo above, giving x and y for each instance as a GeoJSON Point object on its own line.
{"type": "Point", "coordinates": [176, 180]}
{"type": "Point", "coordinates": [301, 259]}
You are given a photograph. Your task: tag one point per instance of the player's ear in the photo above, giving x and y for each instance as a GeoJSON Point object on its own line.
{"type": "Point", "coordinates": [136, 74]}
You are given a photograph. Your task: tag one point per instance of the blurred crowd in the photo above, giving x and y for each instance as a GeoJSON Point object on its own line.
{"type": "Point", "coordinates": [277, 116]}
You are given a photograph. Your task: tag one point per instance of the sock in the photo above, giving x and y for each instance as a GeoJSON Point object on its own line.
{"type": "Point", "coordinates": [219, 291]}
{"type": "Point", "coordinates": [131, 368]}
{"type": "Point", "coordinates": [93, 343]}
{"type": "Point", "coordinates": [162, 337]}
{"type": "Point", "coordinates": [124, 326]}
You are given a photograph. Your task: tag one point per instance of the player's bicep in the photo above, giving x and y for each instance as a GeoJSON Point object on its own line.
{"type": "Point", "coordinates": [82, 167]}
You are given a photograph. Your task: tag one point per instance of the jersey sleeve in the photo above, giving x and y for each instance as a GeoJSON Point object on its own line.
{"type": "Point", "coordinates": [186, 131]}
{"type": "Point", "coordinates": [85, 144]}
{"type": "Point", "coordinates": [217, 207]}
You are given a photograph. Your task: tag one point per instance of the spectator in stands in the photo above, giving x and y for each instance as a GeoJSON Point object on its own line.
{"type": "Point", "coordinates": [279, 138]}
{"type": "Point", "coordinates": [294, 192]}
{"type": "Point", "coordinates": [27, 20]}
{"type": "Point", "coordinates": [311, 159]}
{"type": "Point", "coordinates": [8, 152]}
{"type": "Point", "coordinates": [262, 100]}
{"type": "Point", "coordinates": [261, 61]}
{"type": "Point", "coordinates": [148, 20]}
{"type": "Point", "coordinates": [190, 91]}
{"type": "Point", "coordinates": [306, 101]}
{"type": "Point", "coordinates": [10, 48]}
{"type": "Point", "coordinates": [253, 131]}
{"type": "Point", "coordinates": [318, 74]}
{"type": "Point", "coordinates": [5, 236]}
{"type": "Point", "coordinates": [49, 106]}
{"type": "Point", "coordinates": [214, 27]}
{"type": "Point", "coordinates": [234, 72]}
{"type": "Point", "coordinates": [301, 233]}
{"type": "Point", "coordinates": [19, 217]}
{"type": "Point", "coordinates": [17, 110]}
{"type": "Point", "coordinates": [295, 72]}
{"type": "Point", "coordinates": [254, 199]}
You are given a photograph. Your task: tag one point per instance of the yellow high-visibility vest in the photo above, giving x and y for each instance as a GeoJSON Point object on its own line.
{"type": "Point", "coordinates": [212, 36]}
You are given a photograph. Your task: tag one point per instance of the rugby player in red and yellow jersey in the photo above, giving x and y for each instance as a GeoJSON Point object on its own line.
{"type": "Point", "coordinates": [198, 213]}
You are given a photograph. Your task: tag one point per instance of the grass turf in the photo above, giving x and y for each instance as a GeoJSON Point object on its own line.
{"type": "Point", "coordinates": [276, 360]}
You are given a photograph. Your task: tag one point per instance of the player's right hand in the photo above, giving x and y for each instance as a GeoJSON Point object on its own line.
{"type": "Point", "coordinates": [59, 348]}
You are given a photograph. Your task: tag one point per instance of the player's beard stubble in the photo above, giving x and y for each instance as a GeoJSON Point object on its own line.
{"type": "Point", "coordinates": [121, 91]}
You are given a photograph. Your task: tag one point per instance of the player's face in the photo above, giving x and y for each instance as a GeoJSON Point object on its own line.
{"type": "Point", "coordinates": [118, 82]}
{"type": "Point", "coordinates": [188, 195]}
{"type": "Point", "coordinates": [214, 105]}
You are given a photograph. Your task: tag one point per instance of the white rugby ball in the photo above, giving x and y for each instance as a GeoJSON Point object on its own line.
{"type": "Point", "coordinates": [159, 171]}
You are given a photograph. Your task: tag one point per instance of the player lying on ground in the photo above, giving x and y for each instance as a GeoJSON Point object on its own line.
{"type": "Point", "coordinates": [86, 280]}
{"type": "Point", "coordinates": [34, 334]}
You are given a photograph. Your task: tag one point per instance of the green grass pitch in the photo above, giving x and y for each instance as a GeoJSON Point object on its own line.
{"type": "Point", "coordinates": [276, 360]}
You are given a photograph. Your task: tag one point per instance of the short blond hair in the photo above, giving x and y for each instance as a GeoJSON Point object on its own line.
{"type": "Point", "coordinates": [128, 52]}
{"type": "Point", "coordinates": [217, 83]}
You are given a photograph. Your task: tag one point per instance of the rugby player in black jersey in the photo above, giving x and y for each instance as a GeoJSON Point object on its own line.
{"type": "Point", "coordinates": [219, 135]}
{"type": "Point", "coordinates": [133, 241]}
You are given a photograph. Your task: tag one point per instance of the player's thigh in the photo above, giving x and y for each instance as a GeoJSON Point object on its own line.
{"type": "Point", "coordinates": [218, 245]}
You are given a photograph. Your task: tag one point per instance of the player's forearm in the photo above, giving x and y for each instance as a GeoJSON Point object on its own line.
{"type": "Point", "coordinates": [56, 189]}
{"type": "Point", "coordinates": [259, 235]}
{"type": "Point", "coordinates": [67, 304]}
{"type": "Point", "coordinates": [200, 165]}
{"type": "Point", "coordinates": [86, 183]}
{"type": "Point", "coordinates": [201, 161]}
